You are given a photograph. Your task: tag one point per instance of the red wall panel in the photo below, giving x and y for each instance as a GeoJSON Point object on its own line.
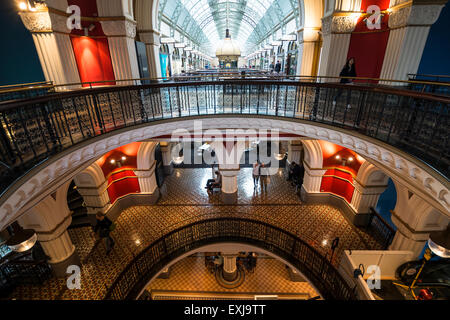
{"type": "Point", "coordinates": [118, 188]}
{"type": "Point", "coordinates": [93, 60]}
{"type": "Point", "coordinates": [368, 47]}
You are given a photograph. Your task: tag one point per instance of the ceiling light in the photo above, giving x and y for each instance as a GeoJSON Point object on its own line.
{"type": "Point", "coordinates": [350, 159]}
{"type": "Point", "coordinates": [22, 240]}
{"type": "Point", "coordinates": [112, 161]}
{"type": "Point", "coordinates": [23, 6]}
{"type": "Point", "coordinates": [124, 158]}
{"type": "Point", "coordinates": [439, 243]}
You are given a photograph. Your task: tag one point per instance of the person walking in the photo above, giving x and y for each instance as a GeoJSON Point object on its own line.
{"type": "Point", "coordinates": [263, 177]}
{"type": "Point", "coordinates": [349, 70]}
{"type": "Point", "coordinates": [103, 227]}
{"type": "Point", "coordinates": [255, 174]}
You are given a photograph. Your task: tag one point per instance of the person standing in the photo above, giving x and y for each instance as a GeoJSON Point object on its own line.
{"type": "Point", "coordinates": [349, 70]}
{"type": "Point", "coordinates": [103, 227]}
{"type": "Point", "coordinates": [278, 67]}
{"type": "Point", "coordinates": [256, 173]}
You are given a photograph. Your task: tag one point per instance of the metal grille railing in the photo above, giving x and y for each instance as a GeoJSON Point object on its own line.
{"type": "Point", "coordinates": [380, 229]}
{"type": "Point", "coordinates": [324, 276]}
{"type": "Point", "coordinates": [33, 130]}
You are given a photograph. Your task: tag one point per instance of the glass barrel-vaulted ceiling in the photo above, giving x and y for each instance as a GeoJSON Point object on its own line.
{"type": "Point", "coordinates": [249, 21]}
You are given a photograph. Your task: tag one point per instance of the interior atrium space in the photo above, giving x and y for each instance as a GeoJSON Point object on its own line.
{"type": "Point", "coordinates": [205, 154]}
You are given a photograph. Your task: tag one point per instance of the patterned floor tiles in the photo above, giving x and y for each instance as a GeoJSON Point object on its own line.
{"type": "Point", "coordinates": [184, 200]}
{"type": "Point", "coordinates": [190, 277]}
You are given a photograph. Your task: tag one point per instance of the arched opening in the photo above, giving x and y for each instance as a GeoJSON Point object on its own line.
{"type": "Point", "coordinates": [161, 253]}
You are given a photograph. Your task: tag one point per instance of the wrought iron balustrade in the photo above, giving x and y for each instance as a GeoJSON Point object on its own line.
{"type": "Point", "coordinates": [380, 229]}
{"type": "Point", "coordinates": [35, 129]}
{"type": "Point", "coordinates": [324, 276]}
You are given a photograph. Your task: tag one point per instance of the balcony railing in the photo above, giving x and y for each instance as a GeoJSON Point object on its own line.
{"type": "Point", "coordinates": [322, 274]}
{"type": "Point", "coordinates": [32, 130]}
{"type": "Point", "coordinates": [380, 229]}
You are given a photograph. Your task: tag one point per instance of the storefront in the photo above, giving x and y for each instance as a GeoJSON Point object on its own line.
{"type": "Point", "coordinates": [291, 58]}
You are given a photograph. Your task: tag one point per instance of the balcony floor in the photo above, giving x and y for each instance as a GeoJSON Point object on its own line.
{"type": "Point", "coordinates": [184, 200]}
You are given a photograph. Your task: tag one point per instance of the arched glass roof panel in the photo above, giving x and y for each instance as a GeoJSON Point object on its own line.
{"type": "Point", "coordinates": [249, 21]}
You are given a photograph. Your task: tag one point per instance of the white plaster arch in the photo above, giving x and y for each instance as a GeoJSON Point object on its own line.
{"type": "Point", "coordinates": [91, 177]}
{"type": "Point", "coordinates": [313, 154]}
{"type": "Point", "coordinates": [230, 247]}
{"type": "Point", "coordinates": [146, 155]}
{"type": "Point", "coordinates": [368, 174]}
{"type": "Point", "coordinates": [146, 14]}
{"type": "Point", "coordinates": [39, 182]}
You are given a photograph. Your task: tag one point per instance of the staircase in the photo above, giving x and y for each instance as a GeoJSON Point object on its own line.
{"type": "Point", "coordinates": [80, 216]}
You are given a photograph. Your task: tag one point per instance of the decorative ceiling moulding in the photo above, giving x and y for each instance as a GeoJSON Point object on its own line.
{"type": "Point", "coordinates": [40, 182]}
{"type": "Point", "coordinates": [415, 15]}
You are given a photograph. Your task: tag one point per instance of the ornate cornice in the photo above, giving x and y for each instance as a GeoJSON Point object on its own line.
{"type": "Point", "coordinates": [338, 24]}
{"type": "Point", "coordinates": [125, 28]}
{"type": "Point", "coordinates": [40, 181]}
{"type": "Point", "coordinates": [416, 15]}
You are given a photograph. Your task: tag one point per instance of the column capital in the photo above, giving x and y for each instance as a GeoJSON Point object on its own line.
{"type": "Point", "coordinates": [342, 23]}
{"type": "Point", "coordinates": [44, 21]}
{"type": "Point", "coordinates": [415, 15]}
{"type": "Point", "coordinates": [150, 37]}
{"type": "Point", "coordinates": [124, 28]}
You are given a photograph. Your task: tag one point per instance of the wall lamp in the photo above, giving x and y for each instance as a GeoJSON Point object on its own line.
{"type": "Point", "coordinates": [344, 160]}
{"type": "Point", "coordinates": [89, 29]}
{"type": "Point", "coordinates": [119, 163]}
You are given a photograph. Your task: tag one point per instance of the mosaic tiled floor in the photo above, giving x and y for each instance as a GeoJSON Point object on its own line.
{"type": "Point", "coordinates": [184, 200]}
{"type": "Point", "coordinates": [190, 276]}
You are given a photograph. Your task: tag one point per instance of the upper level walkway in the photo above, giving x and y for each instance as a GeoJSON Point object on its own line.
{"type": "Point", "coordinates": [403, 130]}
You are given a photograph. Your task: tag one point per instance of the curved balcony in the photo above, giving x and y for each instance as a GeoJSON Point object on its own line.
{"type": "Point", "coordinates": [146, 265]}
{"type": "Point", "coordinates": [34, 131]}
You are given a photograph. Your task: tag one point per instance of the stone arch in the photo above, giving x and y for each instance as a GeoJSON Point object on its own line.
{"type": "Point", "coordinates": [40, 182]}
{"type": "Point", "coordinates": [146, 14]}
{"type": "Point", "coordinates": [91, 177]}
{"type": "Point", "coordinates": [369, 174]}
{"type": "Point", "coordinates": [227, 247]}
{"type": "Point", "coordinates": [146, 155]}
{"type": "Point", "coordinates": [313, 154]}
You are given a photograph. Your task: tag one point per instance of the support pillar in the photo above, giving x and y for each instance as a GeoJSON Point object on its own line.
{"type": "Point", "coordinates": [152, 44]}
{"type": "Point", "coordinates": [229, 267]}
{"type": "Point", "coordinates": [336, 32]}
{"type": "Point", "coordinates": [311, 181]}
{"type": "Point", "coordinates": [122, 48]}
{"type": "Point", "coordinates": [95, 198]}
{"type": "Point", "coordinates": [229, 184]}
{"type": "Point", "coordinates": [414, 219]}
{"type": "Point", "coordinates": [167, 157]}
{"type": "Point", "coordinates": [50, 218]}
{"type": "Point", "coordinates": [409, 26]}
{"type": "Point", "coordinates": [147, 182]}
{"type": "Point", "coordinates": [364, 197]}
{"type": "Point", "coordinates": [309, 51]}
{"type": "Point", "coordinates": [295, 151]}
{"type": "Point", "coordinates": [53, 45]}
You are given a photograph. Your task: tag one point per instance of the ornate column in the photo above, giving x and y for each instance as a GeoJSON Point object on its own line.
{"type": "Point", "coordinates": [95, 198]}
{"type": "Point", "coordinates": [122, 48]}
{"type": "Point", "coordinates": [295, 149]}
{"type": "Point", "coordinates": [166, 157]}
{"type": "Point", "coordinates": [409, 26]}
{"type": "Point", "coordinates": [54, 48]}
{"type": "Point", "coordinates": [309, 44]}
{"type": "Point", "coordinates": [415, 219]}
{"type": "Point", "coordinates": [152, 44]}
{"type": "Point", "coordinates": [336, 32]}
{"type": "Point", "coordinates": [229, 267]}
{"type": "Point", "coordinates": [147, 180]}
{"type": "Point", "coordinates": [229, 184]}
{"type": "Point", "coordinates": [312, 179]}
{"type": "Point", "coordinates": [228, 155]}
{"type": "Point", "coordinates": [50, 218]}
{"type": "Point", "coordinates": [364, 197]}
